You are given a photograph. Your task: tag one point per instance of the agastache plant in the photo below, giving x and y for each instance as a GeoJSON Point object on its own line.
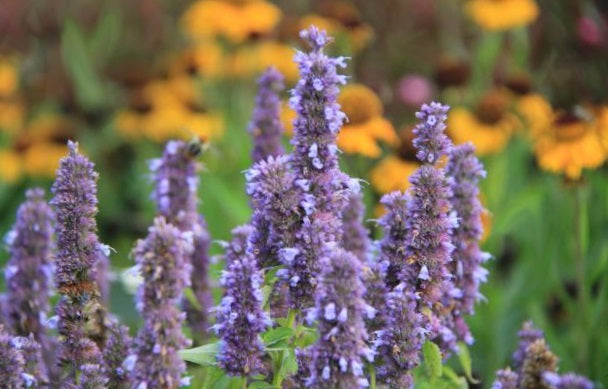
{"type": "Point", "coordinates": [355, 237]}
{"type": "Point", "coordinates": [465, 171]}
{"type": "Point", "coordinates": [176, 197]}
{"type": "Point", "coordinates": [163, 261]}
{"type": "Point", "coordinates": [12, 363]}
{"type": "Point", "coordinates": [29, 270]}
{"type": "Point", "coordinates": [78, 250]}
{"type": "Point", "coordinates": [115, 352]}
{"type": "Point", "coordinates": [338, 356]}
{"type": "Point", "coordinates": [34, 369]}
{"type": "Point", "coordinates": [430, 221]}
{"type": "Point", "coordinates": [240, 316]}
{"type": "Point", "coordinates": [266, 128]}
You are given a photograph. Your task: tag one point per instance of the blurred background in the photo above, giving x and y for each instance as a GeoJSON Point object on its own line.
{"type": "Point", "coordinates": [526, 80]}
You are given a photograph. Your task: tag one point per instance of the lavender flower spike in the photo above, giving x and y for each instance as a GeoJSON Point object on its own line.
{"type": "Point", "coordinates": [394, 227]}
{"type": "Point", "coordinates": [12, 363]}
{"type": "Point", "coordinates": [79, 312]}
{"type": "Point", "coordinates": [318, 121]}
{"type": "Point", "coordinates": [34, 367]}
{"type": "Point", "coordinates": [505, 379]}
{"type": "Point", "coordinates": [240, 317]}
{"type": "Point", "coordinates": [116, 350]}
{"type": "Point", "coordinates": [431, 141]}
{"type": "Point", "coordinates": [265, 127]}
{"type": "Point", "coordinates": [430, 222]}
{"type": "Point", "coordinates": [29, 270]}
{"type": "Point", "coordinates": [465, 170]}
{"type": "Point", "coordinates": [355, 237]}
{"type": "Point", "coordinates": [176, 197]}
{"type": "Point", "coordinates": [527, 335]}
{"type": "Point", "coordinates": [399, 343]}
{"type": "Point", "coordinates": [339, 352]}
{"type": "Point", "coordinates": [163, 260]}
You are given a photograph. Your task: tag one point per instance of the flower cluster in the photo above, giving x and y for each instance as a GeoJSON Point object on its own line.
{"type": "Point", "coordinates": [78, 252]}
{"type": "Point", "coordinates": [266, 127]}
{"type": "Point", "coordinates": [535, 366]}
{"type": "Point", "coordinates": [176, 197]}
{"type": "Point", "coordinates": [163, 260]}
{"type": "Point", "coordinates": [240, 316]}
{"type": "Point", "coordinates": [29, 270]}
{"type": "Point", "coordinates": [338, 356]}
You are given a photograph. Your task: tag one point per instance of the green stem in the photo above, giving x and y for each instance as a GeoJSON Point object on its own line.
{"type": "Point", "coordinates": [244, 384]}
{"type": "Point", "coordinates": [372, 377]}
{"type": "Point", "coordinates": [277, 379]}
{"type": "Point", "coordinates": [579, 263]}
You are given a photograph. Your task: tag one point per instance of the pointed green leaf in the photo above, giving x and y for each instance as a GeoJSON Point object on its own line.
{"type": "Point", "coordinates": [275, 335]}
{"type": "Point", "coordinates": [432, 360]}
{"type": "Point", "coordinates": [203, 355]}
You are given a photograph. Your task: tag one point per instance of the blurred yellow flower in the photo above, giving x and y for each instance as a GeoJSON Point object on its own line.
{"type": "Point", "coordinates": [42, 158]}
{"type": "Point", "coordinates": [365, 126]}
{"type": "Point", "coordinates": [253, 59]}
{"type": "Point", "coordinates": [496, 15]}
{"type": "Point", "coordinates": [489, 127]}
{"type": "Point", "coordinates": [234, 21]}
{"type": "Point", "coordinates": [9, 77]}
{"type": "Point", "coordinates": [571, 143]}
{"type": "Point", "coordinates": [12, 114]}
{"type": "Point", "coordinates": [11, 166]}
{"type": "Point", "coordinates": [392, 174]}
{"type": "Point", "coordinates": [536, 113]}
{"type": "Point", "coordinates": [287, 116]}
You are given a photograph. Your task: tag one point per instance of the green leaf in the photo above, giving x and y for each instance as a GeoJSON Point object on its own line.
{"type": "Point", "coordinates": [464, 356]}
{"type": "Point", "coordinates": [455, 380]}
{"type": "Point", "coordinates": [266, 292]}
{"type": "Point", "coordinates": [203, 355]}
{"type": "Point", "coordinates": [275, 335]}
{"type": "Point", "coordinates": [106, 35]}
{"type": "Point", "coordinates": [79, 66]}
{"type": "Point", "coordinates": [432, 360]}
{"type": "Point", "coordinates": [189, 294]}
{"type": "Point", "coordinates": [260, 385]}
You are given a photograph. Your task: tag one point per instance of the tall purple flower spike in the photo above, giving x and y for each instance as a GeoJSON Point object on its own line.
{"type": "Point", "coordinates": [34, 369]}
{"type": "Point", "coordinates": [176, 197]}
{"type": "Point", "coordinates": [240, 315]}
{"type": "Point", "coordinates": [29, 270]}
{"type": "Point", "coordinates": [339, 354]}
{"type": "Point", "coordinates": [266, 128]}
{"type": "Point", "coordinates": [430, 222]}
{"type": "Point", "coordinates": [392, 256]}
{"type": "Point", "coordinates": [163, 259]}
{"type": "Point", "coordinates": [527, 335]}
{"type": "Point", "coordinates": [12, 363]}
{"type": "Point", "coordinates": [466, 171]}
{"type": "Point", "coordinates": [566, 381]}
{"type": "Point", "coordinates": [80, 316]}
{"type": "Point", "coordinates": [398, 344]}
{"type": "Point", "coordinates": [505, 379]}
{"type": "Point", "coordinates": [115, 352]}
{"type": "Point", "coordinates": [355, 237]}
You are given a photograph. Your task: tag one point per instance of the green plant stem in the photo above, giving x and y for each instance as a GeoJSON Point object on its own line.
{"type": "Point", "coordinates": [579, 263]}
{"type": "Point", "coordinates": [277, 379]}
{"type": "Point", "coordinates": [372, 377]}
{"type": "Point", "coordinates": [244, 384]}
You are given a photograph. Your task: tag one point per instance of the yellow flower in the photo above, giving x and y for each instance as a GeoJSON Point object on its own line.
{"type": "Point", "coordinates": [489, 128]}
{"type": "Point", "coordinates": [9, 77]}
{"type": "Point", "coordinates": [233, 21]}
{"type": "Point", "coordinates": [536, 113]}
{"type": "Point", "coordinates": [287, 116]}
{"type": "Point", "coordinates": [42, 158]}
{"type": "Point", "coordinates": [496, 15]}
{"type": "Point", "coordinates": [12, 114]}
{"type": "Point", "coordinates": [204, 58]}
{"type": "Point", "coordinates": [11, 166]}
{"type": "Point", "coordinates": [365, 126]}
{"type": "Point", "coordinates": [253, 59]}
{"type": "Point", "coordinates": [570, 144]}
{"type": "Point", "coordinates": [392, 174]}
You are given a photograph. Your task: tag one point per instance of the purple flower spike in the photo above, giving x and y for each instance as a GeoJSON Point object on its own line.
{"type": "Point", "coordinates": [505, 379]}
{"type": "Point", "coordinates": [266, 127]}
{"type": "Point", "coordinates": [29, 270]}
{"type": "Point", "coordinates": [92, 377]}
{"type": "Point", "coordinates": [34, 368]}
{"type": "Point", "coordinates": [340, 352]}
{"type": "Point", "coordinates": [318, 121]}
{"type": "Point", "coordinates": [163, 260]}
{"type": "Point", "coordinates": [12, 363]}
{"type": "Point", "coordinates": [116, 350]}
{"type": "Point", "coordinates": [430, 140]}
{"type": "Point", "coordinates": [355, 237]}
{"type": "Point", "coordinates": [466, 171]}
{"type": "Point", "coordinates": [394, 227]}
{"type": "Point", "coordinates": [80, 316]}
{"type": "Point", "coordinates": [566, 381]}
{"type": "Point", "coordinates": [399, 343]}
{"type": "Point", "coordinates": [527, 335]}
{"type": "Point", "coordinates": [240, 315]}
{"type": "Point", "coordinates": [176, 196]}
